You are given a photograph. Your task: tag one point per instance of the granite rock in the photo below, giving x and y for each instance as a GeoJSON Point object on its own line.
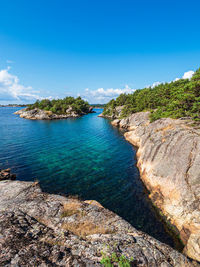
{"type": "Point", "coordinates": [39, 114]}
{"type": "Point", "coordinates": [169, 162]}
{"type": "Point", "coordinates": [40, 229]}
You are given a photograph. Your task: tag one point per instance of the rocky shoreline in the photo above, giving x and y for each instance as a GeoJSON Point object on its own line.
{"type": "Point", "coordinates": [39, 114]}
{"type": "Point", "coordinates": [40, 229]}
{"type": "Point", "coordinates": [169, 162]}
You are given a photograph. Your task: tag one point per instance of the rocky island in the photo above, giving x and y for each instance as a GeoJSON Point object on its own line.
{"type": "Point", "coordinates": [40, 229]}
{"type": "Point", "coordinates": [68, 107]}
{"type": "Point", "coordinates": [167, 138]}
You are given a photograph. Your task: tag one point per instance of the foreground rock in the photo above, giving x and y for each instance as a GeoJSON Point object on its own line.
{"type": "Point", "coordinates": [39, 229]}
{"type": "Point", "coordinates": [169, 163]}
{"type": "Point", "coordinates": [39, 114]}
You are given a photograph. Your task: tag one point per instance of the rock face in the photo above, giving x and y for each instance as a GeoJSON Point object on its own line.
{"type": "Point", "coordinates": [39, 114]}
{"type": "Point", "coordinates": [169, 163]}
{"type": "Point", "coordinates": [39, 229]}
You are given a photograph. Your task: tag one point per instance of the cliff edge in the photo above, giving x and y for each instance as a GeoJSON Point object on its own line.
{"type": "Point", "coordinates": [169, 162]}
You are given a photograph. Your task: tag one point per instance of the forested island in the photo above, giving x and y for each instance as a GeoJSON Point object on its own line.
{"type": "Point", "coordinates": [180, 98]}
{"type": "Point", "coordinates": [56, 109]}
{"type": "Point", "coordinates": [13, 106]}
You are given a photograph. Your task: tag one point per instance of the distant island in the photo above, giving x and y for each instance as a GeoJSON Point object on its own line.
{"type": "Point", "coordinates": [56, 109]}
{"type": "Point", "coordinates": [13, 105]}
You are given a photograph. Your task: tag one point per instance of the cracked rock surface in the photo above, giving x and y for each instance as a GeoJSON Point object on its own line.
{"type": "Point", "coordinates": [40, 229]}
{"type": "Point", "coordinates": [169, 162]}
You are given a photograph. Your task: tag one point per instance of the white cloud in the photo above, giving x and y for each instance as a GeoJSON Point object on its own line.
{"type": "Point", "coordinates": [188, 74]}
{"type": "Point", "coordinates": [102, 95]}
{"type": "Point", "coordinates": [175, 80]}
{"type": "Point", "coordinates": [155, 84]}
{"type": "Point", "coordinates": [12, 91]}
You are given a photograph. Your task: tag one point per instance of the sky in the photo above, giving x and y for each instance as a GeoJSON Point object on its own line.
{"type": "Point", "coordinates": [92, 48]}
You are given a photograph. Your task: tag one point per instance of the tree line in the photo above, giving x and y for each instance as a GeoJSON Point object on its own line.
{"type": "Point", "coordinates": [176, 99]}
{"type": "Point", "coordinates": [59, 106]}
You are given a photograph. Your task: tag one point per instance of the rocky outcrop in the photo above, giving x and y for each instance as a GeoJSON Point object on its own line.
{"type": "Point", "coordinates": [169, 162]}
{"type": "Point", "coordinates": [39, 114]}
{"type": "Point", "coordinates": [112, 113]}
{"type": "Point", "coordinates": [7, 175]}
{"type": "Point", "coordinates": [39, 229]}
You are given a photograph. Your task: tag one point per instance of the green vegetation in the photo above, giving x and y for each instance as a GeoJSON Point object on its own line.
{"type": "Point", "coordinates": [114, 260]}
{"type": "Point", "coordinates": [60, 106]}
{"type": "Point", "coordinates": [177, 99]}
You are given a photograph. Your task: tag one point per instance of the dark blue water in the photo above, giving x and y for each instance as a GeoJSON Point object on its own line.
{"type": "Point", "coordinates": [86, 157]}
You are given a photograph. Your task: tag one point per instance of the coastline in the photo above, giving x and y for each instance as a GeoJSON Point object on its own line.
{"type": "Point", "coordinates": [41, 228]}
{"type": "Point", "coordinates": [168, 172]}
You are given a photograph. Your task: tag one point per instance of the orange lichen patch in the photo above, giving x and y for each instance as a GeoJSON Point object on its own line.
{"type": "Point", "coordinates": [164, 129]}
{"type": "Point", "coordinates": [71, 208]}
{"type": "Point", "coordinates": [94, 203]}
{"type": "Point", "coordinates": [85, 228]}
{"type": "Point", "coordinates": [72, 205]}
{"type": "Point", "coordinates": [48, 112]}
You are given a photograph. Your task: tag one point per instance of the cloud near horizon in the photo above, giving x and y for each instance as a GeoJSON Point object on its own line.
{"type": "Point", "coordinates": [11, 90]}
{"type": "Point", "coordinates": [186, 75]}
{"type": "Point", "coordinates": [102, 95]}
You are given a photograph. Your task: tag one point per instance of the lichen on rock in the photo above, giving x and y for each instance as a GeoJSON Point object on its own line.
{"type": "Point", "coordinates": [40, 229]}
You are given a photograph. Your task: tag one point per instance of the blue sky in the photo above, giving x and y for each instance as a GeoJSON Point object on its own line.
{"type": "Point", "coordinates": [96, 49]}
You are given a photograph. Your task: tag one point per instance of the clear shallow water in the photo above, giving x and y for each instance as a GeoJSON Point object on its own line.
{"type": "Point", "coordinates": [86, 157]}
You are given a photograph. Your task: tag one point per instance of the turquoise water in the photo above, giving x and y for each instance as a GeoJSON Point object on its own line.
{"type": "Point", "coordinates": [86, 157]}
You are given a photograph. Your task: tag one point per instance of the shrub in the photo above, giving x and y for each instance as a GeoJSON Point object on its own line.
{"type": "Point", "coordinates": [114, 260]}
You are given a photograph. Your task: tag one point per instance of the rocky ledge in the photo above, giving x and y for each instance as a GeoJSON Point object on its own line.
{"type": "Point", "coordinates": [39, 114]}
{"type": "Point", "coordinates": [169, 162]}
{"type": "Point", "coordinates": [40, 229]}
